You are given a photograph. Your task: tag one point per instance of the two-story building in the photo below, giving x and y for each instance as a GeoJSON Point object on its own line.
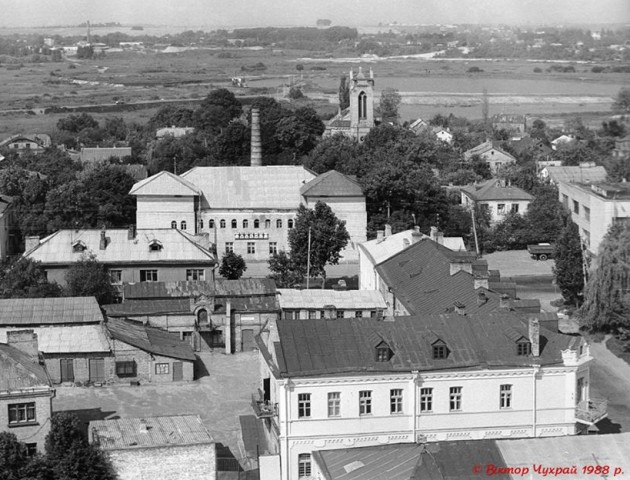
{"type": "Point", "coordinates": [585, 172]}
{"type": "Point", "coordinates": [491, 154]}
{"type": "Point", "coordinates": [329, 384]}
{"type": "Point", "coordinates": [498, 197]}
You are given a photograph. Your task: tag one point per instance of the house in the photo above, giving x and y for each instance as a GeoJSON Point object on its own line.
{"type": "Point", "coordinates": [330, 385]}
{"type": "Point", "coordinates": [175, 447]}
{"type": "Point", "coordinates": [562, 140]}
{"type": "Point", "coordinates": [71, 339]}
{"type": "Point", "coordinates": [595, 207]}
{"type": "Point", "coordinates": [622, 148]}
{"type": "Point", "coordinates": [7, 223]}
{"type": "Point", "coordinates": [297, 304]}
{"type": "Point", "coordinates": [147, 354]}
{"type": "Point", "coordinates": [143, 255]}
{"type": "Point", "coordinates": [25, 391]}
{"type": "Point", "coordinates": [386, 245]}
{"type": "Point", "coordinates": [490, 154]}
{"type": "Point", "coordinates": [586, 172]}
{"type": "Point", "coordinates": [418, 126]}
{"type": "Point", "coordinates": [98, 154]}
{"type": "Point", "coordinates": [531, 146]}
{"type": "Point", "coordinates": [516, 125]}
{"type": "Point", "coordinates": [498, 197]}
{"type": "Point", "coordinates": [248, 210]}
{"type": "Point", "coordinates": [175, 132]}
{"type": "Point", "coordinates": [443, 134]}
{"type": "Point", "coordinates": [357, 120]}
{"type": "Point", "coordinates": [31, 143]}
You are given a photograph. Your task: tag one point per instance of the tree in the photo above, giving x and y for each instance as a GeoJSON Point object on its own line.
{"type": "Point", "coordinates": [12, 457]}
{"type": "Point", "coordinates": [217, 110]}
{"type": "Point", "coordinates": [232, 266]}
{"type": "Point", "coordinates": [76, 123]}
{"type": "Point", "coordinates": [485, 106]}
{"type": "Point", "coordinates": [328, 237]}
{"type": "Point", "coordinates": [25, 278]}
{"type": "Point", "coordinates": [607, 294]}
{"type": "Point", "coordinates": [545, 215]}
{"type": "Point", "coordinates": [569, 269]}
{"type": "Point", "coordinates": [344, 93]}
{"type": "Point", "coordinates": [622, 102]}
{"type": "Point", "coordinates": [295, 93]}
{"type": "Point", "coordinates": [284, 271]}
{"type": "Point", "coordinates": [89, 278]}
{"type": "Point", "coordinates": [388, 105]}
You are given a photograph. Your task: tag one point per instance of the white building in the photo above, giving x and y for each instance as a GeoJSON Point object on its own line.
{"type": "Point", "coordinates": [362, 382]}
{"type": "Point", "coordinates": [586, 172]}
{"type": "Point", "coordinates": [493, 156]}
{"type": "Point", "coordinates": [298, 304]}
{"type": "Point", "coordinates": [498, 197]}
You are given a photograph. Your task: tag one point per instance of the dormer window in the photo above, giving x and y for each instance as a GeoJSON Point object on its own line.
{"type": "Point", "coordinates": [383, 352]}
{"type": "Point", "coordinates": [155, 246]}
{"type": "Point", "coordinates": [440, 350]}
{"type": "Point", "coordinates": [523, 347]}
{"type": "Point", "coordinates": [79, 247]}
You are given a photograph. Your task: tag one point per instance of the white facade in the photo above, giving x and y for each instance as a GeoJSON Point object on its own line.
{"type": "Point", "coordinates": [498, 208]}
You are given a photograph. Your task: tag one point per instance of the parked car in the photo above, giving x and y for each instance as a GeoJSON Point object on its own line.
{"type": "Point", "coordinates": [541, 251]}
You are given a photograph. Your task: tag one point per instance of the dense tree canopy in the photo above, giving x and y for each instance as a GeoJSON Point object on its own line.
{"type": "Point", "coordinates": [232, 266]}
{"type": "Point", "coordinates": [218, 109]}
{"type": "Point", "coordinates": [89, 278]}
{"type": "Point", "coordinates": [622, 101]}
{"type": "Point", "coordinates": [25, 278]}
{"type": "Point", "coordinates": [569, 268]}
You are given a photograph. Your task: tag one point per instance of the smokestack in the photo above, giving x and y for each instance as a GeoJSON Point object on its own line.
{"type": "Point", "coordinates": [256, 154]}
{"type": "Point", "coordinates": [416, 235]}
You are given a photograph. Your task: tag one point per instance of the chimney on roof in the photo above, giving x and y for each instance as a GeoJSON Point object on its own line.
{"type": "Point", "coordinates": [256, 145]}
{"type": "Point", "coordinates": [416, 235]}
{"type": "Point", "coordinates": [131, 234]}
{"type": "Point", "coordinates": [388, 230]}
{"type": "Point", "coordinates": [25, 341]}
{"type": "Point", "coordinates": [103, 243]}
{"type": "Point", "coordinates": [481, 281]}
{"type": "Point", "coordinates": [504, 302]}
{"type": "Point", "coordinates": [437, 236]}
{"type": "Point", "coordinates": [460, 308]}
{"type": "Point", "coordinates": [534, 336]}
{"type": "Point", "coordinates": [31, 242]}
{"type": "Point", "coordinates": [463, 264]}
{"type": "Point", "coordinates": [380, 236]}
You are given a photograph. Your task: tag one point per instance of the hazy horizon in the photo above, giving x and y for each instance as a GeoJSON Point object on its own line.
{"type": "Point", "coordinates": [231, 13]}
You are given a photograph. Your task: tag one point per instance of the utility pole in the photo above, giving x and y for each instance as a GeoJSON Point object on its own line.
{"type": "Point", "coordinates": [472, 212]}
{"type": "Point", "coordinates": [308, 260]}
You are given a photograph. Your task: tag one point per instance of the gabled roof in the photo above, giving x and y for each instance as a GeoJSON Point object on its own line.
{"type": "Point", "coordinates": [40, 138]}
{"type": "Point", "coordinates": [274, 186]}
{"type": "Point", "coordinates": [149, 339]}
{"type": "Point", "coordinates": [492, 190]}
{"type": "Point", "coordinates": [328, 347]}
{"type": "Point", "coordinates": [20, 371]}
{"type": "Point", "coordinates": [49, 311]}
{"type": "Point", "coordinates": [332, 184]}
{"type": "Point", "coordinates": [163, 184]}
{"type": "Point", "coordinates": [341, 299]}
{"type": "Point", "coordinates": [577, 174]}
{"type": "Point", "coordinates": [483, 148]}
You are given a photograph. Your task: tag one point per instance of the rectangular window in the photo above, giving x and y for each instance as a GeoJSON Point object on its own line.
{"type": "Point", "coordinates": [31, 449]}
{"type": "Point", "coordinates": [339, 313]}
{"type": "Point", "coordinates": [20, 413]}
{"type": "Point", "coordinates": [501, 208]}
{"type": "Point", "coordinates": [586, 237]}
{"type": "Point", "coordinates": [229, 247]}
{"type": "Point", "coordinates": [426, 399]}
{"type": "Point", "coordinates": [334, 404]}
{"type": "Point", "coordinates": [587, 213]}
{"type": "Point", "coordinates": [148, 275]}
{"type": "Point", "coordinates": [273, 248]}
{"type": "Point", "coordinates": [251, 248]}
{"type": "Point", "coordinates": [195, 274]}
{"type": "Point", "coordinates": [396, 400]}
{"type": "Point", "coordinates": [312, 314]}
{"type": "Point", "coordinates": [289, 315]}
{"type": "Point", "coordinates": [455, 397]}
{"type": "Point", "coordinates": [523, 348]}
{"type": "Point", "coordinates": [515, 208]}
{"type": "Point", "coordinates": [115, 277]}
{"type": "Point", "coordinates": [161, 369]}
{"type": "Point", "coordinates": [365, 402]}
{"type": "Point", "coordinates": [304, 405]}
{"type": "Point", "coordinates": [358, 314]}
{"type": "Point", "coordinates": [126, 369]}
{"type": "Point", "coordinates": [505, 396]}
{"type": "Point", "coordinates": [576, 207]}
{"type": "Point", "coordinates": [304, 465]}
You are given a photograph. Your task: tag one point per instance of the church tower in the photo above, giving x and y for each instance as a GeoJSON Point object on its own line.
{"type": "Point", "coordinates": [361, 104]}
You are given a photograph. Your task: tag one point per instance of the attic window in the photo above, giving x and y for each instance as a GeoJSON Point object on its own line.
{"type": "Point", "coordinates": [155, 246]}
{"type": "Point", "coordinates": [523, 348]}
{"type": "Point", "coordinates": [78, 247]}
{"type": "Point", "coordinates": [383, 352]}
{"type": "Point", "coordinates": [440, 350]}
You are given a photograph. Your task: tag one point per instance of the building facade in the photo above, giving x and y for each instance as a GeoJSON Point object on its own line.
{"type": "Point", "coordinates": [497, 197]}
{"type": "Point", "coordinates": [490, 154]}
{"type": "Point", "coordinates": [318, 303]}
{"type": "Point", "coordinates": [7, 222]}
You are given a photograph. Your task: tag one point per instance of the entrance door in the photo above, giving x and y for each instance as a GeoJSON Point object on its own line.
{"type": "Point", "coordinates": [67, 370]}
{"type": "Point", "coordinates": [189, 338]}
{"type": "Point", "coordinates": [178, 371]}
{"type": "Point", "coordinates": [97, 370]}
{"type": "Point", "coordinates": [248, 339]}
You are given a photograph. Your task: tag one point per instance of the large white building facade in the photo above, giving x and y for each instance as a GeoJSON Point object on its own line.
{"type": "Point", "coordinates": [363, 382]}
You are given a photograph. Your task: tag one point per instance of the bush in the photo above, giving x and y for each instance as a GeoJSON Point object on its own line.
{"type": "Point", "coordinates": [598, 69]}
{"type": "Point", "coordinates": [537, 70]}
{"type": "Point", "coordinates": [474, 70]}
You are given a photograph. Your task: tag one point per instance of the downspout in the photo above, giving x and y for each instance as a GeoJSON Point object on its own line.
{"type": "Point", "coordinates": [535, 372]}
{"type": "Point", "coordinates": [286, 428]}
{"type": "Point", "coordinates": [415, 403]}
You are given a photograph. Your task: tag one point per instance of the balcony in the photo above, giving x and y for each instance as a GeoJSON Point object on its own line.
{"type": "Point", "coordinates": [264, 408]}
{"type": "Point", "coordinates": [589, 412]}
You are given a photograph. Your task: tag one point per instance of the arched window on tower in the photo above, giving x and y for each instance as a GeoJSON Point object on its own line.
{"type": "Point", "coordinates": [362, 106]}
{"type": "Point", "coordinates": [183, 225]}
{"type": "Point", "coordinates": [233, 223]}
{"type": "Point", "coordinates": [173, 224]}
{"type": "Point", "coordinates": [245, 224]}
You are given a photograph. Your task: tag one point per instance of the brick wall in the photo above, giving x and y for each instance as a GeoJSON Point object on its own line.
{"type": "Point", "coordinates": [81, 365]}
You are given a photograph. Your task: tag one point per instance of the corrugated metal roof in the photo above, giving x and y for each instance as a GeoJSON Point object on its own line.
{"type": "Point", "coordinates": [491, 190]}
{"type": "Point", "coordinates": [68, 339]}
{"type": "Point", "coordinates": [149, 307]}
{"type": "Point", "coordinates": [244, 287]}
{"type": "Point", "coordinates": [177, 247]}
{"type": "Point", "coordinates": [577, 174]}
{"type": "Point", "coordinates": [20, 370]}
{"type": "Point", "coordinates": [132, 433]}
{"type": "Point", "coordinates": [164, 183]}
{"type": "Point", "coordinates": [149, 339]}
{"type": "Point", "coordinates": [342, 299]}
{"type": "Point", "coordinates": [274, 186]}
{"type": "Point", "coordinates": [220, 288]}
{"type": "Point", "coordinates": [332, 184]}
{"type": "Point", "coordinates": [49, 311]}
{"type": "Point", "coordinates": [483, 148]}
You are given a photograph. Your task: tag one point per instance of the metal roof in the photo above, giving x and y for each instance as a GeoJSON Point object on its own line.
{"type": "Point", "coordinates": [164, 183]}
{"type": "Point", "coordinates": [154, 290]}
{"type": "Point", "coordinates": [68, 339]}
{"type": "Point", "coordinates": [332, 184]}
{"type": "Point", "coordinates": [134, 433]}
{"type": "Point", "coordinates": [20, 371]}
{"type": "Point", "coordinates": [577, 174]}
{"type": "Point", "coordinates": [149, 307]}
{"type": "Point", "coordinates": [341, 299]}
{"type": "Point", "coordinates": [149, 339]}
{"type": "Point", "coordinates": [99, 154]}
{"type": "Point", "coordinates": [492, 190]}
{"type": "Point", "coordinates": [485, 147]}
{"type": "Point", "coordinates": [49, 311]}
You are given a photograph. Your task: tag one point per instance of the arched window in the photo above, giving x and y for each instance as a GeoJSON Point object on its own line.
{"type": "Point", "coordinates": [173, 224]}
{"type": "Point", "coordinates": [245, 223]}
{"type": "Point", "coordinates": [279, 223]}
{"type": "Point", "coordinates": [267, 223]}
{"type": "Point", "coordinates": [256, 223]}
{"type": "Point", "coordinates": [290, 223]}
{"type": "Point", "coordinates": [211, 223]}
{"type": "Point", "coordinates": [234, 223]}
{"type": "Point", "coordinates": [183, 225]}
{"type": "Point", "coordinates": [222, 223]}
{"type": "Point", "coordinates": [362, 106]}
{"type": "Point", "coordinates": [202, 317]}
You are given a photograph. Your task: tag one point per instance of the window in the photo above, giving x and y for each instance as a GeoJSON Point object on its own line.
{"type": "Point", "coordinates": [290, 315]}
{"type": "Point", "coordinates": [396, 400]}
{"type": "Point", "coordinates": [383, 353]}
{"type": "Point", "coordinates": [222, 223]}
{"type": "Point", "coordinates": [155, 246]}
{"type": "Point", "coordinates": [195, 274]}
{"type": "Point", "coordinates": [514, 208]}
{"type": "Point", "coordinates": [234, 223]}
{"type": "Point", "coordinates": [21, 413]}
{"type": "Point", "coordinates": [439, 350]}
{"type": "Point", "coordinates": [183, 225]}
{"type": "Point", "coordinates": [290, 223]}
{"type": "Point", "coordinates": [312, 314]}
{"type": "Point", "coordinates": [148, 275]}
{"type": "Point", "coordinates": [115, 277]}
{"type": "Point", "coordinates": [267, 223]}
{"type": "Point", "coordinates": [505, 396]}
{"type": "Point", "coordinates": [565, 200]}
{"type": "Point", "coordinates": [161, 368]}
{"type": "Point", "coordinates": [256, 223]}
{"type": "Point", "coordinates": [126, 369]}
{"type": "Point", "coordinates": [586, 237]}
{"type": "Point", "coordinates": [304, 465]}
{"type": "Point", "coordinates": [587, 213]}
{"type": "Point", "coordinates": [358, 314]}
{"type": "Point", "coordinates": [426, 399]}
{"type": "Point", "coordinates": [79, 247]}
{"type": "Point", "coordinates": [334, 404]}
{"type": "Point", "coordinates": [372, 313]}
{"type": "Point", "coordinates": [501, 208]}
{"type": "Point", "coordinates": [229, 247]}
{"type": "Point", "coordinates": [455, 397]}
{"type": "Point", "coordinates": [523, 348]}
{"type": "Point", "coordinates": [31, 449]}
{"type": "Point", "coordinates": [362, 106]}
{"type": "Point", "coordinates": [339, 313]}
{"type": "Point", "coordinates": [576, 207]}
{"type": "Point", "coordinates": [245, 223]}
{"type": "Point", "coordinates": [210, 223]}
{"type": "Point", "coordinates": [251, 248]}
{"type": "Point", "coordinates": [201, 224]}
{"type": "Point", "coordinates": [173, 224]}
{"type": "Point", "coordinates": [273, 248]}
{"type": "Point", "coordinates": [365, 402]}
{"type": "Point", "coordinates": [278, 223]}
{"type": "Point", "coordinates": [304, 405]}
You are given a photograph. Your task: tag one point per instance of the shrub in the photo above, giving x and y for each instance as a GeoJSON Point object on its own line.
{"type": "Point", "coordinates": [474, 70]}
{"type": "Point", "coordinates": [537, 70]}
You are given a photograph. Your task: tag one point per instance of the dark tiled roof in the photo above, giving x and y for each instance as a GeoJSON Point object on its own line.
{"type": "Point", "coordinates": [332, 184]}
{"type": "Point", "coordinates": [148, 307]}
{"type": "Point", "coordinates": [19, 370]}
{"type": "Point", "coordinates": [149, 339]}
{"type": "Point", "coordinates": [491, 190]}
{"type": "Point", "coordinates": [247, 304]}
{"type": "Point", "coordinates": [420, 278]}
{"type": "Point", "coordinates": [49, 311]}
{"type": "Point", "coordinates": [244, 287]}
{"type": "Point", "coordinates": [328, 347]}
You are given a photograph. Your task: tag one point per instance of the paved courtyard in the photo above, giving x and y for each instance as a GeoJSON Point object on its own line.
{"type": "Point", "coordinates": [516, 263]}
{"type": "Point", "coordinates": [219, 398]}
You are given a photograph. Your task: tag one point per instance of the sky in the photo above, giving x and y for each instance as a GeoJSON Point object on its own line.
{"type": "Point", "coordinates": [230, 13]}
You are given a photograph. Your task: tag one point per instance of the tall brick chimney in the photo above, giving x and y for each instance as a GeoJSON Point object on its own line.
{"type": "Point", "coordinates": [25, 341]}
{"type": "Point", "coordinates": [256, 154]}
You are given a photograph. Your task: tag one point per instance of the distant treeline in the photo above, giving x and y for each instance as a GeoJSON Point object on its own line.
{"type": "Point", "coordinates": [306, 34]}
